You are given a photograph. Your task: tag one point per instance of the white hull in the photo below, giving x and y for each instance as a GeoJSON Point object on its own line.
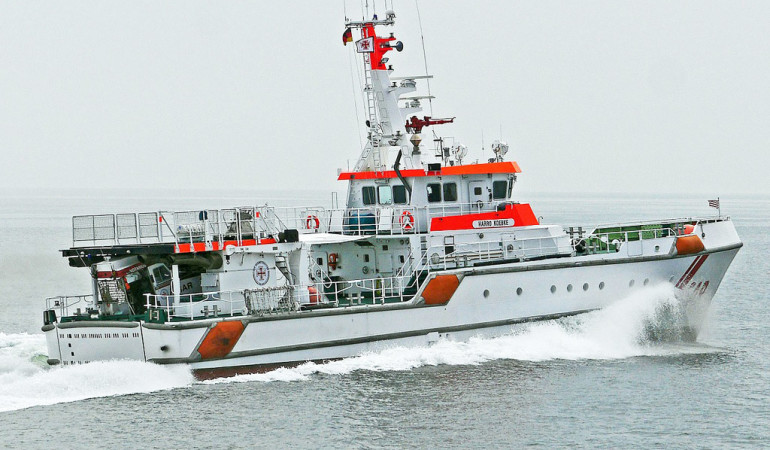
{"type": "Point", "coordinates": [487, 302]}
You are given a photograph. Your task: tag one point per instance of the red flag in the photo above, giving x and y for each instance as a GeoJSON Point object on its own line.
{"type": "Point", "coordinates": [347, 36]}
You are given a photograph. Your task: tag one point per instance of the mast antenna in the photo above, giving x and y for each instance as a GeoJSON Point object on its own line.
{"type": "Point", "coordinates": [424, 57]}
{"type": "Point", "coordinates": [482, 142]}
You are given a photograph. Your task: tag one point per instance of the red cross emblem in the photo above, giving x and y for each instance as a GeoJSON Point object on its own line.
{"type": "Point", "coordinates": [261, 273]}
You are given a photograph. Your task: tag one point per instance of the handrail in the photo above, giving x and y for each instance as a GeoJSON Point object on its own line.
{"type": "Point", "coordinates": [242, 223]}
{"type": "Point", "coordinates": [284, 299]}
{"type": "Point", "coordinates": [63, 303]}
{"type": "Point", "coordinates": [177, 227]}
{"type": "Point", "coordinates": [678, 220]}
{"type": "Point", "coordinates": [613, 241]}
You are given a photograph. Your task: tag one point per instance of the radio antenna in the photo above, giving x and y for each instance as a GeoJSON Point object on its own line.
{"type": "Point", "coordinates": [424, 57]}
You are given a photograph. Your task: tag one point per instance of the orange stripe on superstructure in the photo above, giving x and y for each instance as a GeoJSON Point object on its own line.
{"type": "Point", "coordinates": [468, 169]}
{"type": "Point", "coordinates": [201, 246]}
{"type": "Point", "coordinates": [476, 169]}
{"type": "Point", "coordinates": [380, 175]}
{"type": "Point", "coordinates": [521, 213]}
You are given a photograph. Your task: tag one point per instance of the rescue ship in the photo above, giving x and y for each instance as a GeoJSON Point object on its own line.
{"type": "Point", "coordinates": [427, 247]}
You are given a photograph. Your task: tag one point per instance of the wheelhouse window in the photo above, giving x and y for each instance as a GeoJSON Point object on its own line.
{"type": "Point", "coordinates": [450, 192]}
{"type": "Point", "coordinates": [434, 192]}
{"type": "Point", "coordinates": [384, 195]}
{"type": "Point", "coordinates": [399, 195]}
{"type": "Point", "coordinates": [500, 189]}
{"type": "Point", "coordinates": [367, 192]}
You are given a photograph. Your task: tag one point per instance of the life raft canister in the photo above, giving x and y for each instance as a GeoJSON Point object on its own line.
{"type": "Point", "coordinates": [315, 297]}
{"type": "Point", "coordinates": [331, 261]}
{"type": "Point", "coordinates": [687, 229]}
{"type": "Point", "coordinates": [406, 220]}
{"type": "Point", "coordinates": [312, 222]}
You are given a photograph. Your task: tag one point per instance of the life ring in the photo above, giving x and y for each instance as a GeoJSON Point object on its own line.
{"type": "Point", "coordinates": [312, 222]}
{"type": "Point", "coordinates": [406, 220]}
{"type": "Point", "coordinates": [332, 261]}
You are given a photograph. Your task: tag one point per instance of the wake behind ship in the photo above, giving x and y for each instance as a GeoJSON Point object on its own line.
{"type": "Point", "coordinates": [427, 247]}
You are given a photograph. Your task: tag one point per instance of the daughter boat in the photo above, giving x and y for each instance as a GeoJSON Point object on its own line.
{"type": "Point", "coordinates": [427, 248]}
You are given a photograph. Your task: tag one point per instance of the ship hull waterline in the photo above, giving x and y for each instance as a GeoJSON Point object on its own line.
{"type": "Point", "coordinates": [487, 303]}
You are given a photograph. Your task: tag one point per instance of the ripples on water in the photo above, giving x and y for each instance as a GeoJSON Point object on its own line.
{"type": "Point", "coordinates": [596, 379]}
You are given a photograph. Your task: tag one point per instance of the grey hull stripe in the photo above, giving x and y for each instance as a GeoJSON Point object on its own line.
{"type": "Point", "coordinates": [380, 337]}
{"type": "Point", "coordinates": [97, 324]}
{"type": "Point", "coordinates": [597, 262]}
{"type": "Point", "coordinates": [364, 309]}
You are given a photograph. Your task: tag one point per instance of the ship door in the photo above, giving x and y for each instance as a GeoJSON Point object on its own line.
{"type": "Point", "coordinates": [477, 193]}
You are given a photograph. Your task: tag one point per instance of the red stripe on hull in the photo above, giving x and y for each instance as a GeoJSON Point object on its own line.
{"type": "Point", "coordinates": [691, 271]}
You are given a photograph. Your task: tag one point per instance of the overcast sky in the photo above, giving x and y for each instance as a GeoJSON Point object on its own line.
{"type": "Point", "coordinates": [599, 96]}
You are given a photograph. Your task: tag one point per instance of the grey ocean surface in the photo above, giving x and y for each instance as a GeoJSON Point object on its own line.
{"type": "Point", "coordinates": [589, 381]}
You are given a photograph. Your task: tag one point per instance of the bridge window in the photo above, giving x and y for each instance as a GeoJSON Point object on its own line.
{"type": "Point", "coordinates": [399, 195]}
{"type": "Point", "coordinates": [450, 192]}
{"type": "Point", "coordinates": [434, 192]}
{"type": "Point", "coordinates": [384, 195]}
{"type": "Point", "coordinates": [500, 189]}
{"type": "Point", "coordinates": [367, 192]}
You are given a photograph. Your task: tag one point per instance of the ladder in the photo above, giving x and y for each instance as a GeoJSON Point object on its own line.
{"type": "Point", "coordinates": [282, 264]}
{"type": "Point", "coordinates": [373, 146]}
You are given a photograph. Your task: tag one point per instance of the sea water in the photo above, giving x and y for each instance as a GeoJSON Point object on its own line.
{"type": "Point", "coordinates": [595, 380]}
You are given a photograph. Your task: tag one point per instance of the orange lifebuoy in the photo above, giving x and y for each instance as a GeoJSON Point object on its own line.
{"type": "Point", "coordinates": [332, 261]}
{"type": "Point", "coordinates": [406, 220]}
{"type": "Point", "coordinates": [312, 222]}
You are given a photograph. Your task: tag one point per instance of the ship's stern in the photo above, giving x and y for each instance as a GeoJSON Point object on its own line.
{"type": "Point", "coordinates": [82, 342]}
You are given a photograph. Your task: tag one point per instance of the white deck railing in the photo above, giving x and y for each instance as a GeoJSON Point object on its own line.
{"type": "Point", "coordinates": [282, 299]}
{"type": "Point", "coordinates": [247, 223]}
{"type": "Point", "coordinates": [175, 227]}
{"type": "Point", "coordinates": [63, 304]}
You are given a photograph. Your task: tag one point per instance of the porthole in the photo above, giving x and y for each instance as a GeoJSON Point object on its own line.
{"type": "Point", "coordinates": [519, 291]}
{"type": "Point", "coordinates": [646, 281]}
{"type": "Point", "coordinates": [585, 286]}
{"type": "Point", "coordinates": [601, 285]}
{"type": "Point", "coordinates": [657, 248]}
{"type": "Point", "coordinates": [486, 293]}
{"type": "Point", "coordinates": [569, 288]}
{"type": "Point", "coordinates": [553, 289]}
{"type": "Point", "coordinates": [631, 283]}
